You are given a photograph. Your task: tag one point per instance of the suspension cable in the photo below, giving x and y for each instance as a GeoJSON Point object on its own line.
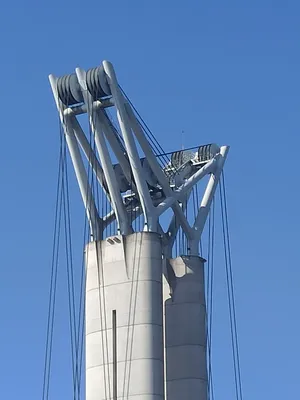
{"type": "Point", "coordinates": [85, 254]}
{"type": "Point", "coordinates": [209, 290]}
{"type": "Point", "coordinates": [70, 272]}
{"type": "Point", "coordinates": [230, 290]}
{"type": "Point", "coordinates": [53, 279]}
{"type": "Point", "coordinates": [62, 219]}
{"type": "Point", "coordinates": [154, 144]}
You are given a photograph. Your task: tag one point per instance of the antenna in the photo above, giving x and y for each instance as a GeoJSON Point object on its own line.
{"type": "Point", "coordinates": [145, 307]}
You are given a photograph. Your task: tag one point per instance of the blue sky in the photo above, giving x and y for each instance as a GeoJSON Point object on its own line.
{"type": "Point", "coordinates": [222, 71]}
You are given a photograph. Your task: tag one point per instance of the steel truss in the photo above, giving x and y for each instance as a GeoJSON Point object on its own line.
{"type": "Point", "coordinates": [137, 184]}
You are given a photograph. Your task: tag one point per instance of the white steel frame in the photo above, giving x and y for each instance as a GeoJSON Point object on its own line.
{"type": "Point", "coordinates": [130, 164]}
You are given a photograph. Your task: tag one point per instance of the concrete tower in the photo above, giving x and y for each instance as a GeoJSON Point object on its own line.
{"type": "Point", "coordinates": [145, 311]}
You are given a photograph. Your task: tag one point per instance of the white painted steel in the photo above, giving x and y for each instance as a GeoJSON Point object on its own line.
{"type": "Point", "coordinates": [179, 193]}
{"type": "Point", "coordinates": [114, 142]}
{"type": "Point", "coordinates": [162, 179]}
{"type": "Point", "coordinates": [82, 109]}
{"type": "Point", "coordinates": [113, 187]}
{"type": "Point", "coordinates": [185, 329]}
{"type": "Point", "coordinates": [173, 229]}
{"type": "Point", "coordinates": [207, 200]}
{"type": "Point", "coordinates": [129, 270]}
{"type": "Point", "coordinates": [80, 172]}
{"type": "Point", "coordinates": [151, 220]}
{"type": "Point", "coordinates": [88, 151]}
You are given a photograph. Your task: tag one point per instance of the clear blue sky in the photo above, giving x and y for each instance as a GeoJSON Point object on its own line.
{"type": "Point", "coordinates": [222, 71]}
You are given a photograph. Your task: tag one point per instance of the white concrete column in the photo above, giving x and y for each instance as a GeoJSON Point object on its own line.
{"type": "Point", "coordinates": [124, 274]}
{"type": "Point", "coordinates": [185, 329]}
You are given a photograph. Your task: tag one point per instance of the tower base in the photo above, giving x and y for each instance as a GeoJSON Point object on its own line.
{"type": "Point", "coordinates": [185, 329]}
{"type": "Point", "coordinates": [124, 334]}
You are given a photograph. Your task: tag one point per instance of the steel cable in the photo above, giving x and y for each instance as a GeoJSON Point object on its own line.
{"type": "Point", "coordinates": [209, 290]}
{"type": "Point", "coordinates": [53, 280]}
{"type": "Point", "coordinates": [154, 144]}
{"type": "Point", "coordinates": [230, 290]}
{"type": "Point", "coordinates": [70, 272]}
